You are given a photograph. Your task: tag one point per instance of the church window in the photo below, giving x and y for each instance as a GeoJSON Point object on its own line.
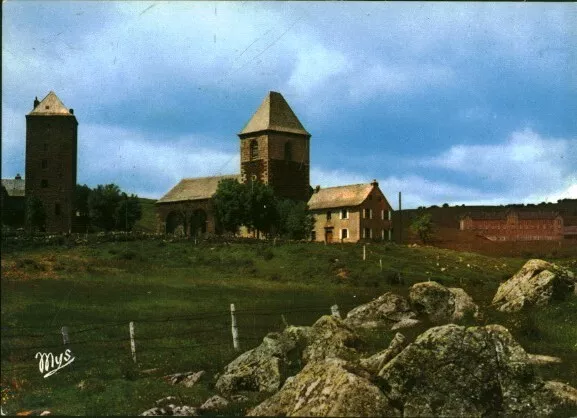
{"type": "Point", "coordinates": [253, 149]}
{"type": "Point", "coordinates": [288, 155]}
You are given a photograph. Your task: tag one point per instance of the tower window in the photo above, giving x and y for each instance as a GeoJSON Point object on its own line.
{"type": "Point", "coordinates": [57, 209]}
{"type": "Point", "coordinates": [44, 184]}
{"type": "Point", "coordinates": [45, 147]}
{"type": "Point", "coordinates": [253, 149]}
{"type": "Point", "coordinates": [44, 164]}
{"type": "Point", "coordinates": [288, 155]}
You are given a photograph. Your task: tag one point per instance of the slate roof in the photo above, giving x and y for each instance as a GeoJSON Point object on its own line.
{"type": "Point", "coordinates": [51, 105]}
{"type": "Point", "coordinates": [274, 114]}
{"type": "Point", "coordinates": [14, 187]}
{"type": "Point", "coordinates": [340, 196]}
{"type": "Point", "coordinates": [197, 188]}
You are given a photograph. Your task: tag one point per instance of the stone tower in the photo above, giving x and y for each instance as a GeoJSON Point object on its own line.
{"type": "Point", "coordinates": [51, 159]}
{"type": "Point", "coordinates": [274, 149]}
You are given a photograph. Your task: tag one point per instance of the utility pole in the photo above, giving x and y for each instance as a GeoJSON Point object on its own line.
{"type": "Point", "coordinates": [400, 221]}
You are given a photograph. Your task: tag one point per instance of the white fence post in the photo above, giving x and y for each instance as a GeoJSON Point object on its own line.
{"type": "Point", "coordinates": [335, 311]}
{"type": "Point", "coordinates": [65, 338]}
{"type": "Point", "coordinates": [364, 252]}
{"type": "Point", "coordinates": [381, 263]}
{"type": "Point", "coordinates": [132, 343]}
{"type": "Point", "coordinates": [234, 328]}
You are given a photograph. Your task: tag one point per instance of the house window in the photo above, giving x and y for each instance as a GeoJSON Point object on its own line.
{"type": "Point", "coordinates": [253, 149]}
{"type": "Point", "coordinates": [313, 235]}
{"type": "Point", "coordinates": [344, 214]}
{"type": "Point", "coordinates": [368, 213]}
{"type": "Point", "coordinates": [44, 164]}
{"type": "Point", "coordinates": [367, 233]}
{"type": "Point", "coordinates": [344, 233]}
{"type": "Point", "coordinates": [329, 215]}
{"type": "Point", "coordinates": [288, 155]}
{"type": "Point", "coordinates": [44, 183]}
{"type": "Point", "coordinates": [57, 209]}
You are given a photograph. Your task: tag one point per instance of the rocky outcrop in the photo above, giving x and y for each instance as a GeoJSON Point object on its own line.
{"type": "Point", "coordinates": [387, 310]}
{"type": "Point", "coordinates": [374, 363]}
{"type": "Point", "coordinates": [187, 379]}
{"type": "Point", "coordinates": [328, 387]}
{"type": "Point", "coordinates": [214, 403]}
{"type": "Point", "coordinates": [451, 370]}
{"type": "Point", "coordinates": [537, 283]}
{"type": "Point", "coordinates": [330, 337]}
{"type": "Point", "coordinates": [441, 304]}
{"type": "Point", "coordinates": [264, 368]}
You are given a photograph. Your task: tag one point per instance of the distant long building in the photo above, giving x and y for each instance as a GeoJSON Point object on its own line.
{"type": "Point", "coordinates": [515, 225]}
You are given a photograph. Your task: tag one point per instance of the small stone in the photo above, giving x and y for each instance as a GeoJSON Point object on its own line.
{"type": "Point", "coordinates": [214, 404]}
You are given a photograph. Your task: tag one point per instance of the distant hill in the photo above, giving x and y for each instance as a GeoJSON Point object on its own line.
{"type": "Point", "coordinates": [148, 221]}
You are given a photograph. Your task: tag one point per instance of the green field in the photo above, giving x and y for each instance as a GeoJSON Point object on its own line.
{"type": "Point", "coordinates": [179, 294]}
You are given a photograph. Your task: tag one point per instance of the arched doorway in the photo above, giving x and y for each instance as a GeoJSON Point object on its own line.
{"type": "Point", "coordinates": [173, 221]}
{"type": "Point", "coordinates": [198, 222]}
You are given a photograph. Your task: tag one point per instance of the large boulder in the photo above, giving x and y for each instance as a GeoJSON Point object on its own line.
{"type": "Point", "coordinates": [537, 283]}
{"type": "Point", "coordinates": [330, 387]}
{"type": "Point", "coordinates": [264, 368]}
{"type": "Point", "coordinates": [376, 362]}
{"type": "Point", "coordinates": [387, 310]}
{"type": "Point", "coordinates": [330, 337]}
{"type": "Point", "coordinates": [441, 304]}
{"type": "Point", "coordinates": [451, 370]}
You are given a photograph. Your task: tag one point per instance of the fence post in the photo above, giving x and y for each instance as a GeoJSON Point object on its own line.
{"type": "Point", "coordinates": [335, 311]}
{"type": "Point", "coordinates": [234, 328]}
{"type": "Point", "coordinates": [132, 343]}
{"type": "Point", "coordinates": [65, 338]}
{"type": "Point", "coordinates": [381, 263]}
{"type": "Point", "coordinates": [364, 252]}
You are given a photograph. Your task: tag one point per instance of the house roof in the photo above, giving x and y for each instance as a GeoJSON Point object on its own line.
{"type": "Point", "coordinates": [14, 187]}
{"type": "Point", "coordinates": [340, 196]}
{"type": "Point", "coordinates": [194, 188]}
{"type": "Point", "coordinates": [51, 105]}
{"type": "Point", "coordinates": [274, 114]}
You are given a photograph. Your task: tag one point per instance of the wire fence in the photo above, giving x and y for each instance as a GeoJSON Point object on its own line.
{"type": "Point", "coordinates": [93, 342]}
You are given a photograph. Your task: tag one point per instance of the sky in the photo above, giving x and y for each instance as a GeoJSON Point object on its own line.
{"type": "Point", "coordinates": [459, 103]}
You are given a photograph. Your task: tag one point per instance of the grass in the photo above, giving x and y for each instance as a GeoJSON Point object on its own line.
{"type": "Point", "coordinates": [178, 294]}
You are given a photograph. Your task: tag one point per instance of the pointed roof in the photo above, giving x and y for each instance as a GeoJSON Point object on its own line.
{"type": "Point", "coordinates": [51, 105]}
{"type": "Point", "coordinates": [274, 114]}
{"type": "Point", "coordinates": [340, 196]}
{"type": "Point", "coordinates": [197, 188]}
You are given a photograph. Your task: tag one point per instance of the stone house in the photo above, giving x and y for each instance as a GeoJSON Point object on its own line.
{"type": "Point", "coordinates": [351, 213]}
{"type": "Point", "coordinates": [514, 225]}
{"type": "Point", "coordinates": [13, 201]}
{"type": "Point", "coordinates": [187, 207]}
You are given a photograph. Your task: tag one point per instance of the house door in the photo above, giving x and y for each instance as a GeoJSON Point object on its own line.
{"type": "Point", "coordinates": [329, 235]}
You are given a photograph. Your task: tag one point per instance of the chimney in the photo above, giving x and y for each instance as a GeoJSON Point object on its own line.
{"type": "Point", "coordinates": [71, 111]}
{"type": "Point", "coordinates": [317, 188]}
{"type": "Point", "coordinates": [375, 183]}
{"type": "Point", "coordinates": [18, 177]}
{"type": "Point", "coordinates": [36, 102]}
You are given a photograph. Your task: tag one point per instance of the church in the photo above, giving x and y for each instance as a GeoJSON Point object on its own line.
{"type": "Point", "coordinates": [275, 150]}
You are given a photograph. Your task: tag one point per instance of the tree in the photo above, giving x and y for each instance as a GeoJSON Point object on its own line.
{"type": "Point", "coordinates": [127, 212]}
{"type": "Point", "coordinates": [102, 203]}
{"type": "Point", "coordinates": [81, 194]}
{"type": "Point", "coordinates": [422, 225]}
{"type": "Point", "coordinates": [35, 214]}
{"type": "Point", "coordinates": [262, 214]}
{"type": "Point", "coordinates": [295, 220]}
{"type": "Point", "coordinates": [230, 205]}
